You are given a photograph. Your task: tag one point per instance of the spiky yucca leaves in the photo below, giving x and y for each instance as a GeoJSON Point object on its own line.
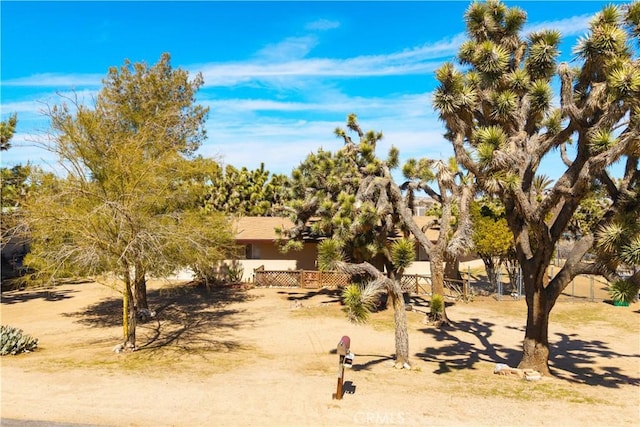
{"type": "Point", "coordinates": [543, 51]}
{"type": "Point", "coordinates": [403, 253]}
{"type": "Point", "coordinates": [618, 241]}
{"type": "Point", "coordinates": [360, 300]}
{"type": "Point", "coordinates": [624, 81]}
{"type": "Point", "coordinates": [244, 192]}
{"type": "Point", "coordinates": [489, 141]}
{"type": "Point", "coordinates": [630, 253]}
{"type": "Point", "coordinates": [329, 251]}
{"type": "Point", "coordinates": [601, 139]}
{"type": "Point", "coordinates": [623, 291]}
{"type": "Point", "coordinates": [632, 18]}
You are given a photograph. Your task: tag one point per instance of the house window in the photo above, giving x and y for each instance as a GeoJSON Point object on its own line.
{"type": "Point", "coordinates": [252, 251]}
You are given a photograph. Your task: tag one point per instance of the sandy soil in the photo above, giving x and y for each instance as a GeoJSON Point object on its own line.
{"type": "Point", "coordinates": [266, 357]}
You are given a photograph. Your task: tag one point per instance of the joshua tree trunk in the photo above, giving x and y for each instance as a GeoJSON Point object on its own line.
{"type": "Point", "coordinates": [541, 298]}
{"type": "Point", "coordinates": [399, 312]}
{"type": "Point", "coordinates": [535, 353]}
{"type": "Point", "coordinates": [452, 268]}
{"type": "Point", "coordinates": [400, 321]}
{"type": "Point", "coordinates": [437, 284]}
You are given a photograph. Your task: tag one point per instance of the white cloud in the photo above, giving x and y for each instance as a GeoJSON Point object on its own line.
{"type": "Point", "coordinates": [24, 150]}
{"type": "Point", "coordinates": [322, 25]}
{"type": "Point", "coordinates": [56, 80]}
{"type": "Point", "coordinates": [281, 132]}
{"type": "Point", "coordinates": [289, 48]}
{"type": "Point", "coordinates": [22, 107]}
{"type": "Point", "coordinates": [568, 27]}
{"type": "Point", "coordinates": [402, 107]}
{"type": "Point", "coordinates": [241, 134]}
{"type": "Point", "coordinates": [287, 60]}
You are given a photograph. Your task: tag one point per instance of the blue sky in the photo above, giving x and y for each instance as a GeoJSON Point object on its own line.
{"type": "Point", "coordinates": [279, 76]}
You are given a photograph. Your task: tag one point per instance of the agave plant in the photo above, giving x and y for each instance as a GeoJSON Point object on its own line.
{"type": "Point", "coordinates": [15, 341]}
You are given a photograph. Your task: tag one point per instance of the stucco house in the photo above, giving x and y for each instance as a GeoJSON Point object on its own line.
{"type": "Point", "coordinates": [258, 236]}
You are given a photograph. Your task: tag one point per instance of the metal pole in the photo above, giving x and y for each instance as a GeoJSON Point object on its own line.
{"type": "Point", "coordinates": [520, 282]}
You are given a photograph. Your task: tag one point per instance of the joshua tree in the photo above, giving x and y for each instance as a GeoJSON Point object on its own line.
{"type": "Point", "coordinates": [502, 121]}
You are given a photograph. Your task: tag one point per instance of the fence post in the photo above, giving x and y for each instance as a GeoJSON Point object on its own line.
{"type": "Point", "coordinates": [301, 278]}
{"type": "Point", "coordinates": [573, 289]}
{"type": "Point", "coordinates": [520, 282]}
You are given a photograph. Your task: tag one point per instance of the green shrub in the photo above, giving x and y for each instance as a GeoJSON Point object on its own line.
{"type": "Point", "coordinates": [437, 305]}
{"type": "Point", "coordinates": [14, 341]}
{"type": "Point", "coordinates": [235, 272]}
{"type": "Point", "coordinates": [623, 291]}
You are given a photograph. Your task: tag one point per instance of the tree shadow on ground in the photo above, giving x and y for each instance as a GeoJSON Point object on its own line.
{"type": "Point", "coordinates": [572, 359]}
{"type": "Point", "coordinates": [333, 294]}
{"type": "Point", "coordinates": [374, 359]}
{"type": "Point", "coordinates": [460, 348]}
{"type": "Point", "coordinates": [186, 318]}
{"type": "Point", "coordinates": [48, 294]}
{"type": "Point", "coordinates": [16, 292]}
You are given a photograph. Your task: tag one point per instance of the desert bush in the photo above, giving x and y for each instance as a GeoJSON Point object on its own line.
{"type": "Point", "coordinates": [15, 341]}
{"type": "Point", "coordinates": [235, 272]}
{"type": "Point", "coordinates": [359, 301]}
{"type": "Point", "coordinates": [623, 291]}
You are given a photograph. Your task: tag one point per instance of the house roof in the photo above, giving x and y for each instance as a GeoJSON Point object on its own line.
{"type": "Point", "coordinates": [252, 228]}
{"type": "Point", "coordinates": [262, 228]}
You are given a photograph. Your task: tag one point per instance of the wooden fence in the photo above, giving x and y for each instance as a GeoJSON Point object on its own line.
{"type": "Point", "coordinates": [419, 284]}
{"type": "Point", "coordinates": [416, 283]}
{"type": "Point", "coordinates": [307, 279]}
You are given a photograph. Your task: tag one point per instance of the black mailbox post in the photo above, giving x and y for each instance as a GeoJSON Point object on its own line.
{"type": "Point", "coordinates": [343, 350]}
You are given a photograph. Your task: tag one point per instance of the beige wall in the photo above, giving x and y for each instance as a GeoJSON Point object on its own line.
{"type": "Point", "coordinates": [418, 267]}
{"type": "Point", "coordinates": [305, 259]}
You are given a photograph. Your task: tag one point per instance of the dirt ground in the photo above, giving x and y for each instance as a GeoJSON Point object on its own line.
{"type": "Point", "coordinates": [266, 357]}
